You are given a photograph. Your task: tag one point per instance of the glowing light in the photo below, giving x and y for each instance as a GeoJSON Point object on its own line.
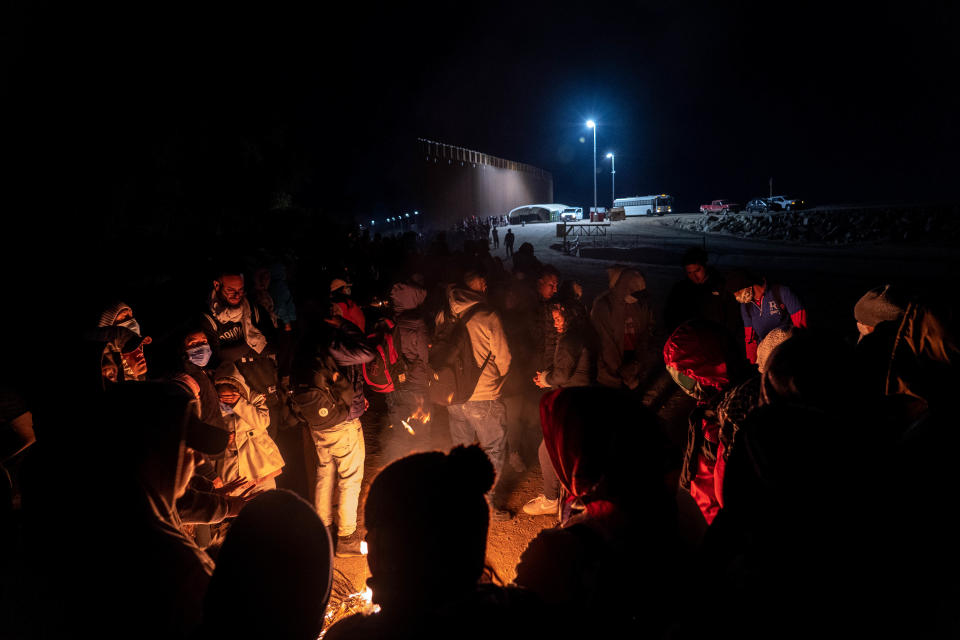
{"type": "Point", "coordinates": [591, 124]}
{"type": "Point", "coordinates": [363, 550]}
{"type": "Point", "coordinates": [406, 425]}
{"type": "Point", "coordinates": [609, 155]}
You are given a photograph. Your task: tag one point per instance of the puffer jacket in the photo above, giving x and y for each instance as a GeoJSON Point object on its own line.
{"type": "Point", "coordinates": [571, 360]}
{"type": "Point", "coordinates": [609, 317]}
{"type": "Point", "coordinates": [487, 337]}
{"type": "Point", "coordinates": [411, 332]}
{"type": "Point", "coordinates": [257, 453]}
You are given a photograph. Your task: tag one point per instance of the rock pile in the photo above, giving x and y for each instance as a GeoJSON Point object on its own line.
{"type": "Point", "coordinates": [928, 225]}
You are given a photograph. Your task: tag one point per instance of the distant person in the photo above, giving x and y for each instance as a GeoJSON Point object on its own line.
{"type": "Point", "coordinates": [508, 242]}
{"type": "Point", "coordinates": [340, 291]}
{"type": "Point", "coordinates": [623, 320]}
{"type": "Point", "coordinates": [763, 307]}
{"type": "Point", "coordinates": [701, 294]}
{"type": "Point", "coordinates": [496, 238]}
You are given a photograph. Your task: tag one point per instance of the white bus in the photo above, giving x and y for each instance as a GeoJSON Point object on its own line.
{"type": "Point", "coordinates": [655, 205]}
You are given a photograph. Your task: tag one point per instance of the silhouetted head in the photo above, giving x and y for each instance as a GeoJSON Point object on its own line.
{"type": "Point", "coordinates": [426, 518]}
{"type": "Point", "coordinates": [273, 573]}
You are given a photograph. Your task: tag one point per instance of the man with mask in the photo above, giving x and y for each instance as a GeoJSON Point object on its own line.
{"type": "Point", "coordinates": [763, 308]}
{"type": "Point", "coordinates": [623, 320]}
{"type": "Point", "coordinates": [235, 333]}
{"type": "Point", "coordinates": [349, 310]}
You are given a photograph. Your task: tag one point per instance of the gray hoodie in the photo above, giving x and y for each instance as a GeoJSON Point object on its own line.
{"type": "Point", "coordinates": [487, 337]}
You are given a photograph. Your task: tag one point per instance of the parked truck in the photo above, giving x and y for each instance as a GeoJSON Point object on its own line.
{"type": "Point", "coordinates": [722, 207]}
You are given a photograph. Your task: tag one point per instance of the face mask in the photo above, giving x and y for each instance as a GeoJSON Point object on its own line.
{"type": "Point", "coordinates": [131, 324]}
{"type": "Point", "coordinates": [199, 355]}
{"type": "Point", "coordinates": [744, 296]}
{"type": "Point", "coordinates": [225, 409]}
{"type": "Point", "coordinates": [690, 386]}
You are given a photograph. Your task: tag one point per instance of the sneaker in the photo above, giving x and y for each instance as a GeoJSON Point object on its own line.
{"type": "Point", "coordinates": [349, 546]}
{"type": "Point", "coordinates": [540, 506]}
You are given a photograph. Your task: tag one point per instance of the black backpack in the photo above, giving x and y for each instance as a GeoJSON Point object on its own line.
{"type": "Point", "coordinates": [388, 370]}
{"type": "Point", "coordinates": [322, 396]}
{"type": "Point", "coordinates": [455, 372]}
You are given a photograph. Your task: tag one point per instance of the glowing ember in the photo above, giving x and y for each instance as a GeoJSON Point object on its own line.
{"type": "Point", "coordinates": [406, 425]}
{"type": "Point", "coordinates": [363, 550]}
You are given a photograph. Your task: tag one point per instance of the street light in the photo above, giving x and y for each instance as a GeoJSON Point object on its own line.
{"type": "Point", "coordinates": [593, 125]}
{"type": "Point", "coordinates": [613, 179]}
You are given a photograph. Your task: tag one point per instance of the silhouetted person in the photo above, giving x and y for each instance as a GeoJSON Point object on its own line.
{"type": "Point", "coordinates": [425, 568]}
{"type": "Point", "coordinates": [618, 556]}
{"type": "Point", "coordinates": [273, 575]}
{"type": "Point", "coordinates": [508, 242]}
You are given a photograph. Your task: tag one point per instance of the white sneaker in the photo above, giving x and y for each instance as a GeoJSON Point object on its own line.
{"type": "Point", "coordinates": [540, 506]}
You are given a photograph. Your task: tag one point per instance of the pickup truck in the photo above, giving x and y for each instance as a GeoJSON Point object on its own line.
{"type": "Point", "coordinates": [720, 206]}
{"type": "Point", "coordinates": [788, 204]}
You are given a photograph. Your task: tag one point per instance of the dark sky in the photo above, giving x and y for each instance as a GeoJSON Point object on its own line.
{"type": "Point", "coordinates": [219, 107]}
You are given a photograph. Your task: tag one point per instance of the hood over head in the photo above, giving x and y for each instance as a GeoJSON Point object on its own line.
{"type": "Point", "coordinates": [406, 296]}
{"type": "Point", "coordinates": [594, 465]}
{"type": "Point", "coordinates": [462, 299]}
{"type": "Point", "coordinates": [770, 342]}
{"type": "Point", "coordinates": [882, 304]}
{"type": "Point", "coordinates": [703, 352]}
{"type": "Point", "coordinates": [228, 372]}
{"type": "Point", "coordinates": [109, 315]}
{"type": "Point", "coordinates": [629, 282]}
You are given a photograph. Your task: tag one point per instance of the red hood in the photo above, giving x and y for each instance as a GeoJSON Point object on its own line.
{"type": "Point", "coordinates": [701, 351]}
{"type": "Point", "coordinates": [592, 434]}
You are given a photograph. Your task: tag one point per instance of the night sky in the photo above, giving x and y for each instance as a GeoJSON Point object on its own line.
{"type": "Point", "coordinates": [128, 111]}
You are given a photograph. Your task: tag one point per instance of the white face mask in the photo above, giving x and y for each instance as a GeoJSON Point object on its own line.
{"type": "Point", "coordinates": [131, 324]}
{"type": "Point", "coordinates": [744, 296]}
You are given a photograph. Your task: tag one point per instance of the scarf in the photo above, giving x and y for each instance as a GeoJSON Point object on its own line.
{"type": "Point", "coordinates": [223, 313]}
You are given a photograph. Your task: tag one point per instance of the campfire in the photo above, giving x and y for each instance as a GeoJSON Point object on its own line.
{"type": "Point", "coordinates": [419, 414]}
{"type": "Point", "coordinates": [346, 601]}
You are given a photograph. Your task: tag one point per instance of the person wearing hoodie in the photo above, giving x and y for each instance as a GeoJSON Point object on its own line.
{"type": "Point", "coordinates": [571, 367]}
{"type": "Point", "coordinates": [412, 341]}
{"type": "Point", "coordinates": [340, 448]}
{"type": "Point", "coordinates": [706, 363]}
{"type": "Point", "coordinates": [119, 314]}
{"type": "Point", "coordinates": [624, 323]}
{"type": "Point", "coordinates": [252, 453]}
{"type": "Point", "coordinates": [482, 417]}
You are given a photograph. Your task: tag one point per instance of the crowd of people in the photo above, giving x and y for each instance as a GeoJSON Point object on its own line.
{"type": "Point", "coordinates": [206, 464]}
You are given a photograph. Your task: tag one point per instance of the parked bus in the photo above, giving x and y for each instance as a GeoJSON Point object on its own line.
{"type": "Point", "coordinates": [655, 205]}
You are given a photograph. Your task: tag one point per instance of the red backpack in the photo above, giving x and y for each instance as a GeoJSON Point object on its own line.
{"type": "Point", "coordinates": [388, 369]}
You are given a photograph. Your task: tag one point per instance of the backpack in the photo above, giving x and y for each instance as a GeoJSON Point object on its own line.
{"type": "Point", "coordinates": [322, 396]}
{"type": "Point", "coordinates": [388, 369]}
{"type": "Point", "coordinates": [455, 372]}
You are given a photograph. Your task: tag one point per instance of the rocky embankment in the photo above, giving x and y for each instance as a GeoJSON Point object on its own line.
{"type": "Point", "coordinates": [937, 225]}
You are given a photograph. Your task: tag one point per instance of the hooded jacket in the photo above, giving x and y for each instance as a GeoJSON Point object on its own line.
{"type": "Point", "coordinates": [349, 349]}
{"type": "Point", "coordinates": [257, 453]}
{"type": "Point", "coordinates": [704, 360]}
{"type": "Point", "coordinates": [609, 316]}
{"type": "Point", "coordinates": [411, 331]}
{"type": "Point", "coordinates": [487, 337]}
{"type": "Point", "coordinates": [571, 359]}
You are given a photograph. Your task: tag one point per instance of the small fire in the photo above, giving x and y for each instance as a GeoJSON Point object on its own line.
{"type": "Point", "coordinates": [406, 425]}
{"type": "Point", "coordinates": [421, 415]}
{"type": "Point", "coordinates": [363, 550]}
{"type": "Point", "coordinates": [368, 594]}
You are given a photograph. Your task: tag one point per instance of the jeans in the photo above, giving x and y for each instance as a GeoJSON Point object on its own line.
{"type": "Point", "coordinates": [551, 483]}
{"type": "Point", "coordinates": [480, 421]}
{"type": "Point", "coordinates": [341, 452]}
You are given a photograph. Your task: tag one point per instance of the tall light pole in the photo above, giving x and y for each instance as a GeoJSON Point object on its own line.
{"type": "Point", "coordinates": [613, 179]}
{"type": "Point", "coordinates": [593, 125]}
